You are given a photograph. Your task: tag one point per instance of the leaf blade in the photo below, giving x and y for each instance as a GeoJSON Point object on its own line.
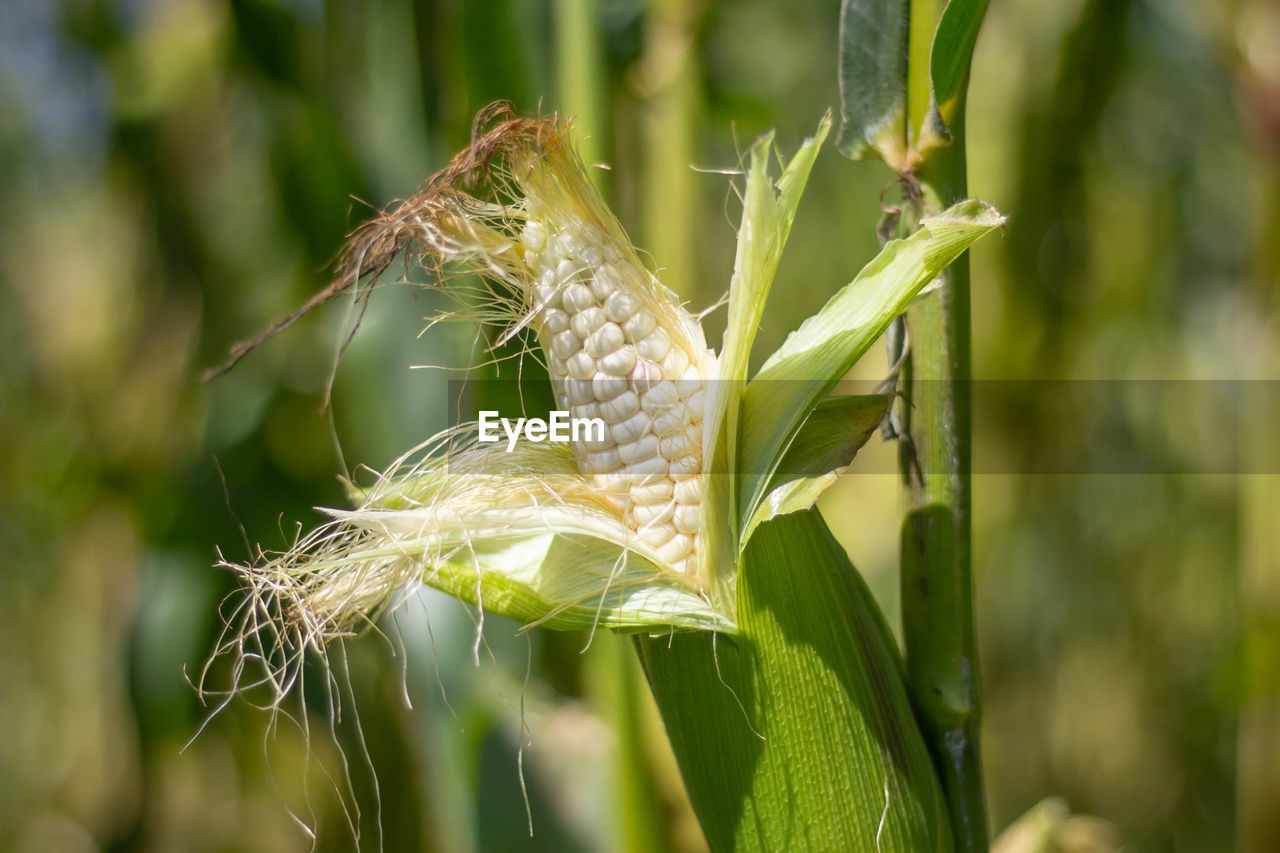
{"type": "Point", "coordinates": [873, 79]}
{"type": "Point", "coordinates": [824, 446]}
{"type": "Point", "coordinates": [949, 60]}
{"type": "Point", "coordinates": [768, 212]}
{"type": "Point", "coordinates": [797, 734]}
{"type": "Point", "coordinates": [815, 356]}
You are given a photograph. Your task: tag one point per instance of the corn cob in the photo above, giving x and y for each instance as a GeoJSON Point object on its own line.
{"type": "Point", "coordinates": [517, 207]}
{"type": "Point", "coordinates": [641, 367]}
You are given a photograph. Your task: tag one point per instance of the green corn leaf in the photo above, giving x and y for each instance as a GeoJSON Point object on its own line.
{"type": "Point", "coordinates": [797, 734]}
{"type": "Point", "coordinates": [573, 583]}
{"type": "Point", "coordinates": [817, 355]}
{"type": "Point", "coordinates": [767, 213]}
{"type": "Point", "coordinates": [873, 80]}
{"type": "Point", "coordinates": [825, 445]}
{"type": "Point", "coordinates": [768, 210]}
{"type": "Point", "coordinates": [949, 61]}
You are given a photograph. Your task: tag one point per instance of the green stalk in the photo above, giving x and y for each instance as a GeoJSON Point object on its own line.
{"type": "Point", "coordinates": [935, 465]}
{"type": "Point", "coordinates": [671, 85]}
{"type": "Point", "coordinates": [1258, 738]}
{"type": "Point", "coordinates": [580, 79]}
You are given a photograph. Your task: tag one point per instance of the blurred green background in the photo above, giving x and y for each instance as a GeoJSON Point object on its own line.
{"type": "Point", "coordinates": [175, 174]}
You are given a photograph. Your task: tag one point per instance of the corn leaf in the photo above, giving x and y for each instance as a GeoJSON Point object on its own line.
{"type": "Point", "coordinates": [767, 213]}
{"type": "Point", "coordinates": [509, 562]}
{"type": "Point", "coordinates": [949, 61]}
{"type": "Point", "coordinates": [816, 356]}
{"type": "Point", "coordinates": [873, 80]}
{"type": "Point", "coordinates": [825, 445]}
{"type": "Point", "coordinates": [797, 734]}
{"type": "Point", "coordinates": [574, 582]}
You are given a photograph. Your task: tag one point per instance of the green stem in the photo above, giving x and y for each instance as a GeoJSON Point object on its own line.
{"type": "Point", "coordinates": [671, 85]}
{"type": "Point", "coordinates": [935, 465]}
{"type": "Point", "coordinates": [580, 79]}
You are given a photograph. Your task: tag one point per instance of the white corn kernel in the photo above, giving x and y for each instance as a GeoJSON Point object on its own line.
{"type": "Point", "coordinates": [631, 429]}
{"type": "Point", "coordinates": [677, 547]}
{"type": "Point", "coordinates": [656, 537]}
{"type": "Point", "coordinates": [606, 387]}
{"type": "Point", "coordinates": [652, 492]}
{"type": "Point", "coordinates": [577, 297]}
{"type": "Point", "coordinates": [688, 491]}
{"type": "Point", "coordinates": [587, 321]}
{"type": "Point", "coordinates": [554, 320]}
{"type": "Point", "coordinates": [604, 461]}
{"type": "Point", "coordinates": [676, 446]}
{"type": "Point", "coordinates": [534, 236]}
{"type": "Point", "coordinates": [654, 514]}
{"type": "Point", "coordinates": [686, 518]}
{"type": "Point", "coordinates": [654, 466]}
{"type": "Point", "coordinates": [620, 305]}
{"type": "Point", "coordinates": [644, 376]}
{"type": "Point", "coordinates": [606, 280]}
{"type": "Point", "coordinates": [654, 346]}
{"type": "Point", "coordinates": [579, 391]}
{"type": "Point", "coordinates": [675, 363]}
{"type": "Point", "coordinates": [684, 465]}
{"type": "Point", "coordinates": [659, 396]}
{"type": "Point", "coordinates": [645, 447]}
{"type": "Point", "coordinates": [564, 344]}
{"type": "Point", "coordinates": [604, 340]}
{"type": "Point", "coordinates": [621, 361]}
{"type": "Point", "coordinates": [639, 325]}
{"type": "Point", "coordinates": [620, 407]}
{"type": "Point", "coordinates": [581, 366]}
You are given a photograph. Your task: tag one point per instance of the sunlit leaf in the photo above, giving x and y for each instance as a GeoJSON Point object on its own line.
{"type": "Point", "coordinates": [825, 445]}
{"type": "Point", "coordinates": [798, 735]}
{"type": "Point", "coordinates": [817, 355]}
{"type": "Point", "coordinates": [768, 210]}
{"type": "Point", "coordinates": [949, 61]}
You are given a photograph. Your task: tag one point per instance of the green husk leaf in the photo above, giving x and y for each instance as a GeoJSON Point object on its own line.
{"type": "Point", "coordinates": [521, 534]}
{"type": "Point", "coordinates": [768, 212]}
{"type": "Point", "coordinates": [825, 446]}
{"type": "Point", "coordinates": [769, 209]}
{"type": "Point", "coordinates": [797, 734]}
{"type": "Point", "coordinates": [816, 356]}
{"type": "Point", "coordinates": [573, 582]}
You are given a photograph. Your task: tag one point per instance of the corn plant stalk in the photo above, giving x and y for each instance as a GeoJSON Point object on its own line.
{"type": "Point", "coordinates": [935, 460]}
{"type": "Point", "coordinates": [905, 68]}
{"type": "Point", "coordinates": [796, 734]}
{"type": "Point", "coordinates": [936, 550]}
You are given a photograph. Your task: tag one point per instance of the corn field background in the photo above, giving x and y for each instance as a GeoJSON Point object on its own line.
{"type": "Point", "coordinates": [175, 174]}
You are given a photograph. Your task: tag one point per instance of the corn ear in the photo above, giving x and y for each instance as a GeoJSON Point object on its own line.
{"type": "Point", "coordinates": [604, 531]}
